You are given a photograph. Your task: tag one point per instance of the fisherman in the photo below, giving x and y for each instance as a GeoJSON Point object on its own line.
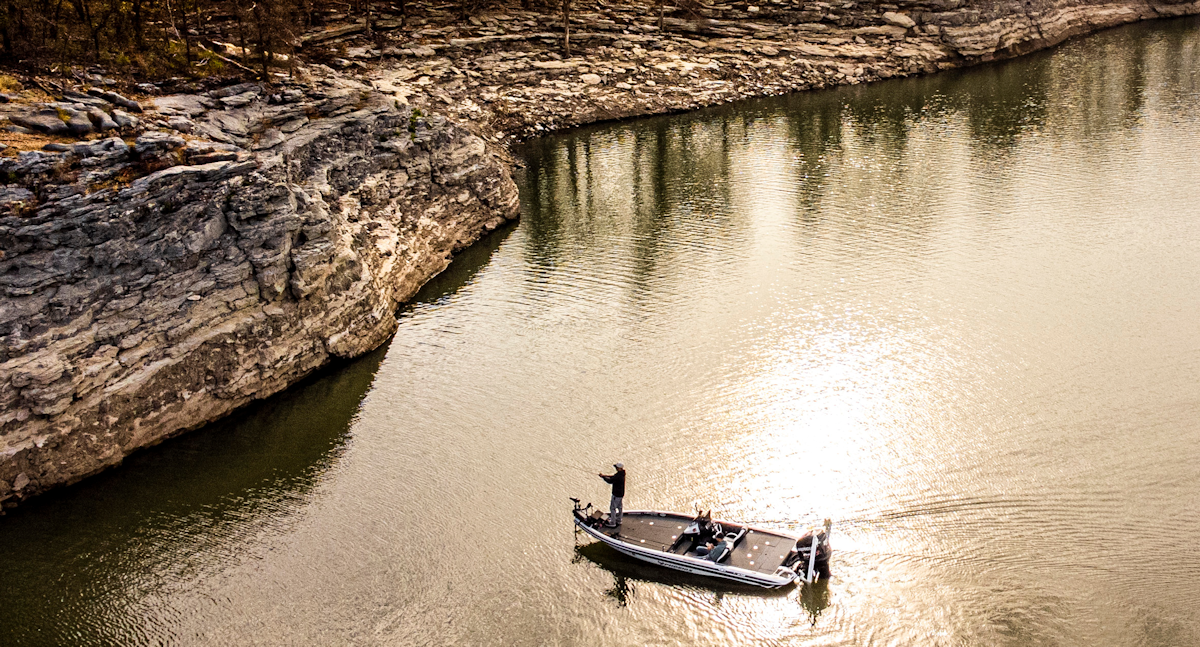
{"type": "Point", "coordinates": [724, 544]}
{"type": "Point", "coordinates": [709, 545]}
{"type": "Point", "coordinates": [615, 507]}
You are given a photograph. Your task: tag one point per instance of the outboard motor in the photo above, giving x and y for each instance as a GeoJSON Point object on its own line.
{"type": "Point", "coordinates": [802, 560]}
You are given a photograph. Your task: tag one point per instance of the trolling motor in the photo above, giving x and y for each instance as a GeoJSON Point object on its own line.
{"type": "Point", "coordinates": [592, 518]}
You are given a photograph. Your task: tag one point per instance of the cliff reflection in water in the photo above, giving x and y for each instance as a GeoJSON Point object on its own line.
{"type": "Point", "coordinates": [98, 562]}
{"type": "Point", "coordinates": [83, 566]}
{"type": "Point", "coordinates": [586, 182]}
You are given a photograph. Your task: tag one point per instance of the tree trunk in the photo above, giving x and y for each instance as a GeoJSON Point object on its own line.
{"type": "Point", "coordinates": [85, 16]}
{"type": "Point", "coordinates": [6, 25]}
{"type": "Point", "coordinates": [260, 18]}
{"type": "Point", "coordinates": [139, 40]}
{"type": "Point", "coordinates": [566, 13]}
{"type": "Point", "coordinates": [242, 35]}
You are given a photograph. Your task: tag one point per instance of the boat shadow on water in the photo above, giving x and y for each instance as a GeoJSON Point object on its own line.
{"type": "Point", "coordinates": [627, 572]}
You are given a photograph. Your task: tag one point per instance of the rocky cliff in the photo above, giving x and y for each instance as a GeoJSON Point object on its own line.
{"type": "Point", "coordinates": [155, 285]}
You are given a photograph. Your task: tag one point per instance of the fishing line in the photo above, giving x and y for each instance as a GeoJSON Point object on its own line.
{"type": "Point", "coordinates": [568, 466]}
{"type": "Point", "coordinates": [842, 521]}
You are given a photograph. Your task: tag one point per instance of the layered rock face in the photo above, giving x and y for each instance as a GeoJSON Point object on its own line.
{"type": "Point", "coordinates": [135, 309]}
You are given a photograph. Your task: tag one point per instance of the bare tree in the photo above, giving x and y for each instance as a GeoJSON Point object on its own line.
{"type": "Point", "coordinates": [566, 16]}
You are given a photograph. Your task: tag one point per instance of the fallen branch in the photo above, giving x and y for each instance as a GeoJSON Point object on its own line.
{"type": "Point", "coordinates": [483, 40]}
{"type": "Point", "coordinates": [226, 59]}
{"type": "Point", "coordinates": [348, 30]}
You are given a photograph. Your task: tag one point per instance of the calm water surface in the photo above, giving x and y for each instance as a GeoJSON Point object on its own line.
{"type": "Point", "coordinates": [958, 315]}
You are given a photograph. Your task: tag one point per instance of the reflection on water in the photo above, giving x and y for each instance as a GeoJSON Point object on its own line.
{"type": "Point", "coordinates": [814, 598]}
{"type": "Point", "coordinates": [84, 565]}
{"type": "Point", "coordinates": [956, 314]}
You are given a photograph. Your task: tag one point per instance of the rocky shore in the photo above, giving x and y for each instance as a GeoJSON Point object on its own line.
{"type": "Point", "coordinates": [157, 282]}
{"type": "Point", "coordinates": [169, 257]}
{"type": "Point", "coordinates": [507, 76]}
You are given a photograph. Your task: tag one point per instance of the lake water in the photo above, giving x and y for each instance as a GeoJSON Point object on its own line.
{"type": "Point", "coordinates": [959, 315]}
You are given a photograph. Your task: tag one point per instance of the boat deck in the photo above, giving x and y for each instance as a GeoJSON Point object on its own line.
{"type": "Point", "coordinates": [759, 550]}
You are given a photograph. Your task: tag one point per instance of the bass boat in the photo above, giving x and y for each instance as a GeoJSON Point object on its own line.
{"type": "Point", "coordinates": [741, 553]}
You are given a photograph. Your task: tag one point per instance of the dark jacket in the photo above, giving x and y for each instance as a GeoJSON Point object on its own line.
{"type": "Point", "coordinates": [618, 482]}
{"type": "Point", "coordinates": [718, 552]}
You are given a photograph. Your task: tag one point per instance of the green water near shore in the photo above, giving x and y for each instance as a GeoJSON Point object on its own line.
{"type": "Point", "coordinates": [956, 314]}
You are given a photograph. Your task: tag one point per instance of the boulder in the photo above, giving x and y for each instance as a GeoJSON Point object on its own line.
{"type": "Point", "coordinates": [101, 120]}
{"type": "Point", "coordinates": [124, 119]}
{"type": "Point", "coordinates": [45, 120]}
{"type": "Point", "coordinates": [85, 99]}
{"type": "Point", "coordinates": [116, 99]}
{"type": "Point", "coordinates": [186, 105]}
{"type": "Point", "coordinates": [11, 194]}
{"type": "Point", "coordinates": [155, 140]}
{"type": "Point", "coordinates": [239, 100]}
{"type": "Point", "coordinates": [231, 90]}
{"type": "Point", "coordinates": [214, 156]}
{"type": "Point", "coordinates": [270, 139]}
{"type": "Point", "coordinates": [78, 122]}
{"type": "Point", "coordinates": [899, 20]}
{"type": "Point", "coordinates": [110, 146]}
{"type": "Point", "coordinates": [181, 124]}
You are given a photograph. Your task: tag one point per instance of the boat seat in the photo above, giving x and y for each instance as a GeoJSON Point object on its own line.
{"type": "Point", "coordinates": [733, 546]}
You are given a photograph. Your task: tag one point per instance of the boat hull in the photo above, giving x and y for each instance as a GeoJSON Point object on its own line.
{"type": "Point", "coordinates": [695, 566]}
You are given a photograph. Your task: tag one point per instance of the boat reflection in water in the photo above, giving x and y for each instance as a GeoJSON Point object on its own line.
{"type": "Point", "coordinates": [628, 573]}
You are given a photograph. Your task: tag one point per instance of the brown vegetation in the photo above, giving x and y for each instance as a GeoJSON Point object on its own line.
{"type": "Point", "coordinates": [150, 37]}
{"type": "Point", "coordinates": [155, 39]}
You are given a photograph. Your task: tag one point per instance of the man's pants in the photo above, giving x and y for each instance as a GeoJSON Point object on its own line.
{"type": "Point", "coordinates": [614, 511]}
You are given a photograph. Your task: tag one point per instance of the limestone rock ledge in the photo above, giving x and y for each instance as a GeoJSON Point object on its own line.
{"type": "Point", "coordinates": [140, 303]}
{"type": "Point", "coordinates": [995, 30]}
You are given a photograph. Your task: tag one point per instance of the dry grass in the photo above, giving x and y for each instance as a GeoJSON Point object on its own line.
{"type": "Point", "coordinates": [31, 142]}
{"type": "Point", "coordinates": [10, 84]}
